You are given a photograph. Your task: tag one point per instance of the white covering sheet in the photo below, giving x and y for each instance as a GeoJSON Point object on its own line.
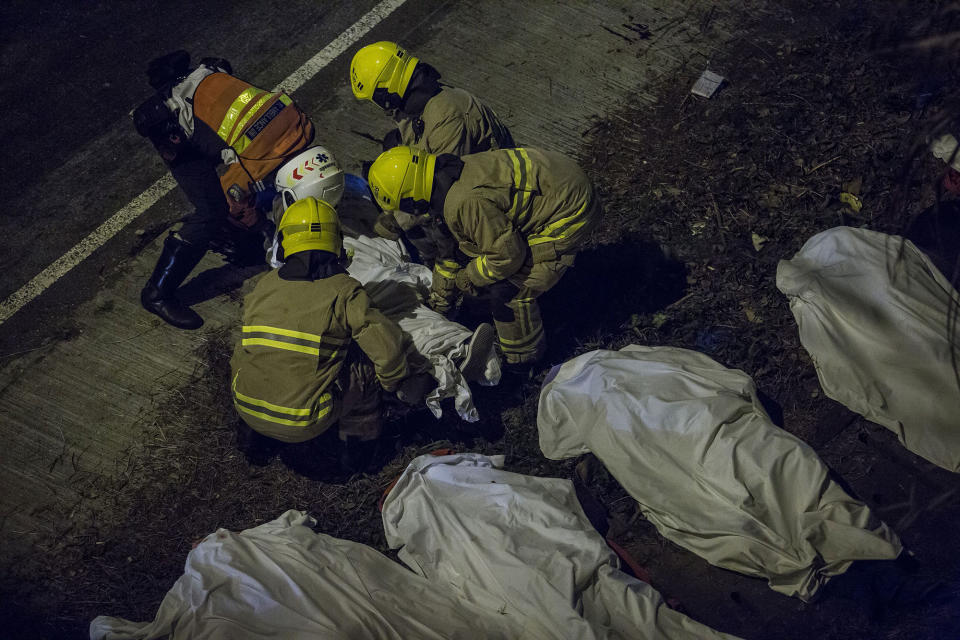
{"type": "Point", "coordinates": [945, 148]}
{"type": "Point", "coordinates": [398, 287]}
{"type": "Point", "coordinates": [873, 314]}
{"type": "Point", "coordinates": [521, 545]}
{"type": "Point", "coordinates": [688, 439]}
{"type": "Point", "coordinates": [282, 580]}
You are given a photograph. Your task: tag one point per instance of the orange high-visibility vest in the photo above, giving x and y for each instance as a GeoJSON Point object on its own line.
{"type": "Point", "coordinates": [264, 128]}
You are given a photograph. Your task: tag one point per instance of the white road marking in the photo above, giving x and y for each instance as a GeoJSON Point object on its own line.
{"type": "Point", "coordinates": [165, 185]}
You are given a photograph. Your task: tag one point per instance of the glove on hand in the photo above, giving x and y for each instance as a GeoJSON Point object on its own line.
{"type": "Point", "coordinates": [439, 303]}
{"type": "Point", "coordinates": [413, 389]}
{"type": "Point", "coordinates": [386, 226]}
{"type": "Point", "coordinates": [464, 284]}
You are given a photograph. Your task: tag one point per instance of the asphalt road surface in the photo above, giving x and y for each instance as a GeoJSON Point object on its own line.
{"type": "Point", "coordinates": [82, 366]}
{"type": "Point", "coordinates": [72, 72]}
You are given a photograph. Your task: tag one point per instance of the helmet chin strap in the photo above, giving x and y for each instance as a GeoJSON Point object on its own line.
{"type": "Point", "coordinates": [414, 207]}
{"type": "Point", "coordinates": [387, 100]}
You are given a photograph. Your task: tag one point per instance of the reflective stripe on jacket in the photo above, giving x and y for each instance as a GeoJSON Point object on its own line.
{"type": "Point", "coordinates": [293, 343]}
{"type": "Point", "coordinates": [509, 202]}
{"type": "Point", "coordinates": [454, 121]}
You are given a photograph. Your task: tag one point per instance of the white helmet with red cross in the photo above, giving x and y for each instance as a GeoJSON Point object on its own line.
{"type": "Point", "coordinates": [313, 172]}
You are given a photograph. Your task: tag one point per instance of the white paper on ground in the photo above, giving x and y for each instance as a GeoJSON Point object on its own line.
{"type": "Point", "coordinates": [688, 439]}
{"type": "Point", "coordinates": [872, 310]}
{"type": "Point", "coordinates": [523, 546]}
{"type": "Point", "coordinates": [945, 148]}
{"type": "Point", "coordinates": [282, 580]}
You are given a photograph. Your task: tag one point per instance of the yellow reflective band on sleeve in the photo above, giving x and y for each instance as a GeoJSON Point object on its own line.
{"type": "Point", "coordinates": [446, 273]}
{"type": "Point", "coordinates": [235, 109]}
{"type": "Point", "coordinates": [241, 125]}
{"type": "Point", "coordinates": [480, 264]}
{"type": "Point", "coordinates": [520, 207]}
{"type": "Point", "coordinates": [561, 228]}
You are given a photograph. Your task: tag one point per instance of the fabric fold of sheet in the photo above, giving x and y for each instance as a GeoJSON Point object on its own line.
{"type": "Point", "coordinates": [521, 545]}
{"type": "Point", "coordinates": [282, 580]}
{"type": "Point", "coordinates": [875, 315]}
{"type": "Point", "coordinates": [688, 439]}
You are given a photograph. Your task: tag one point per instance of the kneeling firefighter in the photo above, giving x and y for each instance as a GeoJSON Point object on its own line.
{"type": "Point", "coordinates": [314, 352]}
{"type": "Point", "coordinates": [199, 119]}
{"type": "Point", "coordinates": [520, 214]}
{"type": "Point", "coordinates": [429, 116]}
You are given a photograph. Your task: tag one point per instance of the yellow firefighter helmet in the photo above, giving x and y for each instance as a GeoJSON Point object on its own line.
{"type": "Point", "coordinates": [402, 178]}
{"type": "Point", "coordinates": [310, 225]}
{"type": "Point", "coordinates": [380, 73]}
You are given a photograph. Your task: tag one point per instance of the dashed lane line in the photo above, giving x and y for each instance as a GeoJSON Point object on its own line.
{"type": "Point", "coordinates": [15, 301]}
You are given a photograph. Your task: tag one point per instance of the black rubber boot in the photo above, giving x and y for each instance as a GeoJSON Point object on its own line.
{"type": "Point", "coordinates": [257, 448]}
{"type": "Point", "coordinates": [159, 295]}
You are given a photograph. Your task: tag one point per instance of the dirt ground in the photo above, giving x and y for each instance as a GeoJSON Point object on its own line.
{"type": "Point", "coordinates": [821, 98]}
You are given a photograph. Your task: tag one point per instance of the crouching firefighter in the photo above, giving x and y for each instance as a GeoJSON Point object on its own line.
{"type": "Point", "coordinates": [429, 116]}
{"type": "Point", "coordinates": [314, 352]}
{"type": "Point", "coordinates": [199, 119]}
{"type": "Point", "coordinates": [519, 215]}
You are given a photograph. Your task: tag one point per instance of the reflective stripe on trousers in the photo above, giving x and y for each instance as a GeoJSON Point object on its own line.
{"type": "Point", "coordinates": [522, 339]}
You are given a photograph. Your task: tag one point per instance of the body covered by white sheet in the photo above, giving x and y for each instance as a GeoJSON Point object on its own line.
{"type": "Point", "coordinates": [282, 580]}
{"type": "Point", "coordinates": [398, 287]}
{"type": "Point", "coordinates": [873, 315]}
{"type": "Point", "coordinates": [688, 439]}
{"type": "Point", "coordinates": [523, 546]}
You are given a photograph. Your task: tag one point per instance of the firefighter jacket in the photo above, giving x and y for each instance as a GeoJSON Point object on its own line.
{"type": "Point", "coordinates": [454, 121]}
{"type": "Point", "coordinates": [294, 340]}
{"type": "Point", "coordinates": [512, 204]}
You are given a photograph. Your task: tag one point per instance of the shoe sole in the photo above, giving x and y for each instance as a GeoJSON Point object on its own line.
{"type": "Point", "coordinates": [478, 350]}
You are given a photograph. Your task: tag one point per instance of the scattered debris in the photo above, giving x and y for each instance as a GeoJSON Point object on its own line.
{"type": "Point", "coordinates": [758, 240]}
{"type": "Point", "coordinates": [945, 148]}
{"type": "Point", "coordinates": [707, 84]}
{"type": "Point", "coordinates": [853, 186]}
{"type": "Point", "coordinates": [851, 201]}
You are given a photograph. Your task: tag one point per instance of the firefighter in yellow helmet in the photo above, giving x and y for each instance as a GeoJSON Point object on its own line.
{"type": "Point", "coordinates": [431, 117]}
{"type": "Point", "coordinates": [519, 215]}
{"type": "Point", "coordinates": [313, 351]}
{"type": "Point", "coordinates": [437, 119]}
